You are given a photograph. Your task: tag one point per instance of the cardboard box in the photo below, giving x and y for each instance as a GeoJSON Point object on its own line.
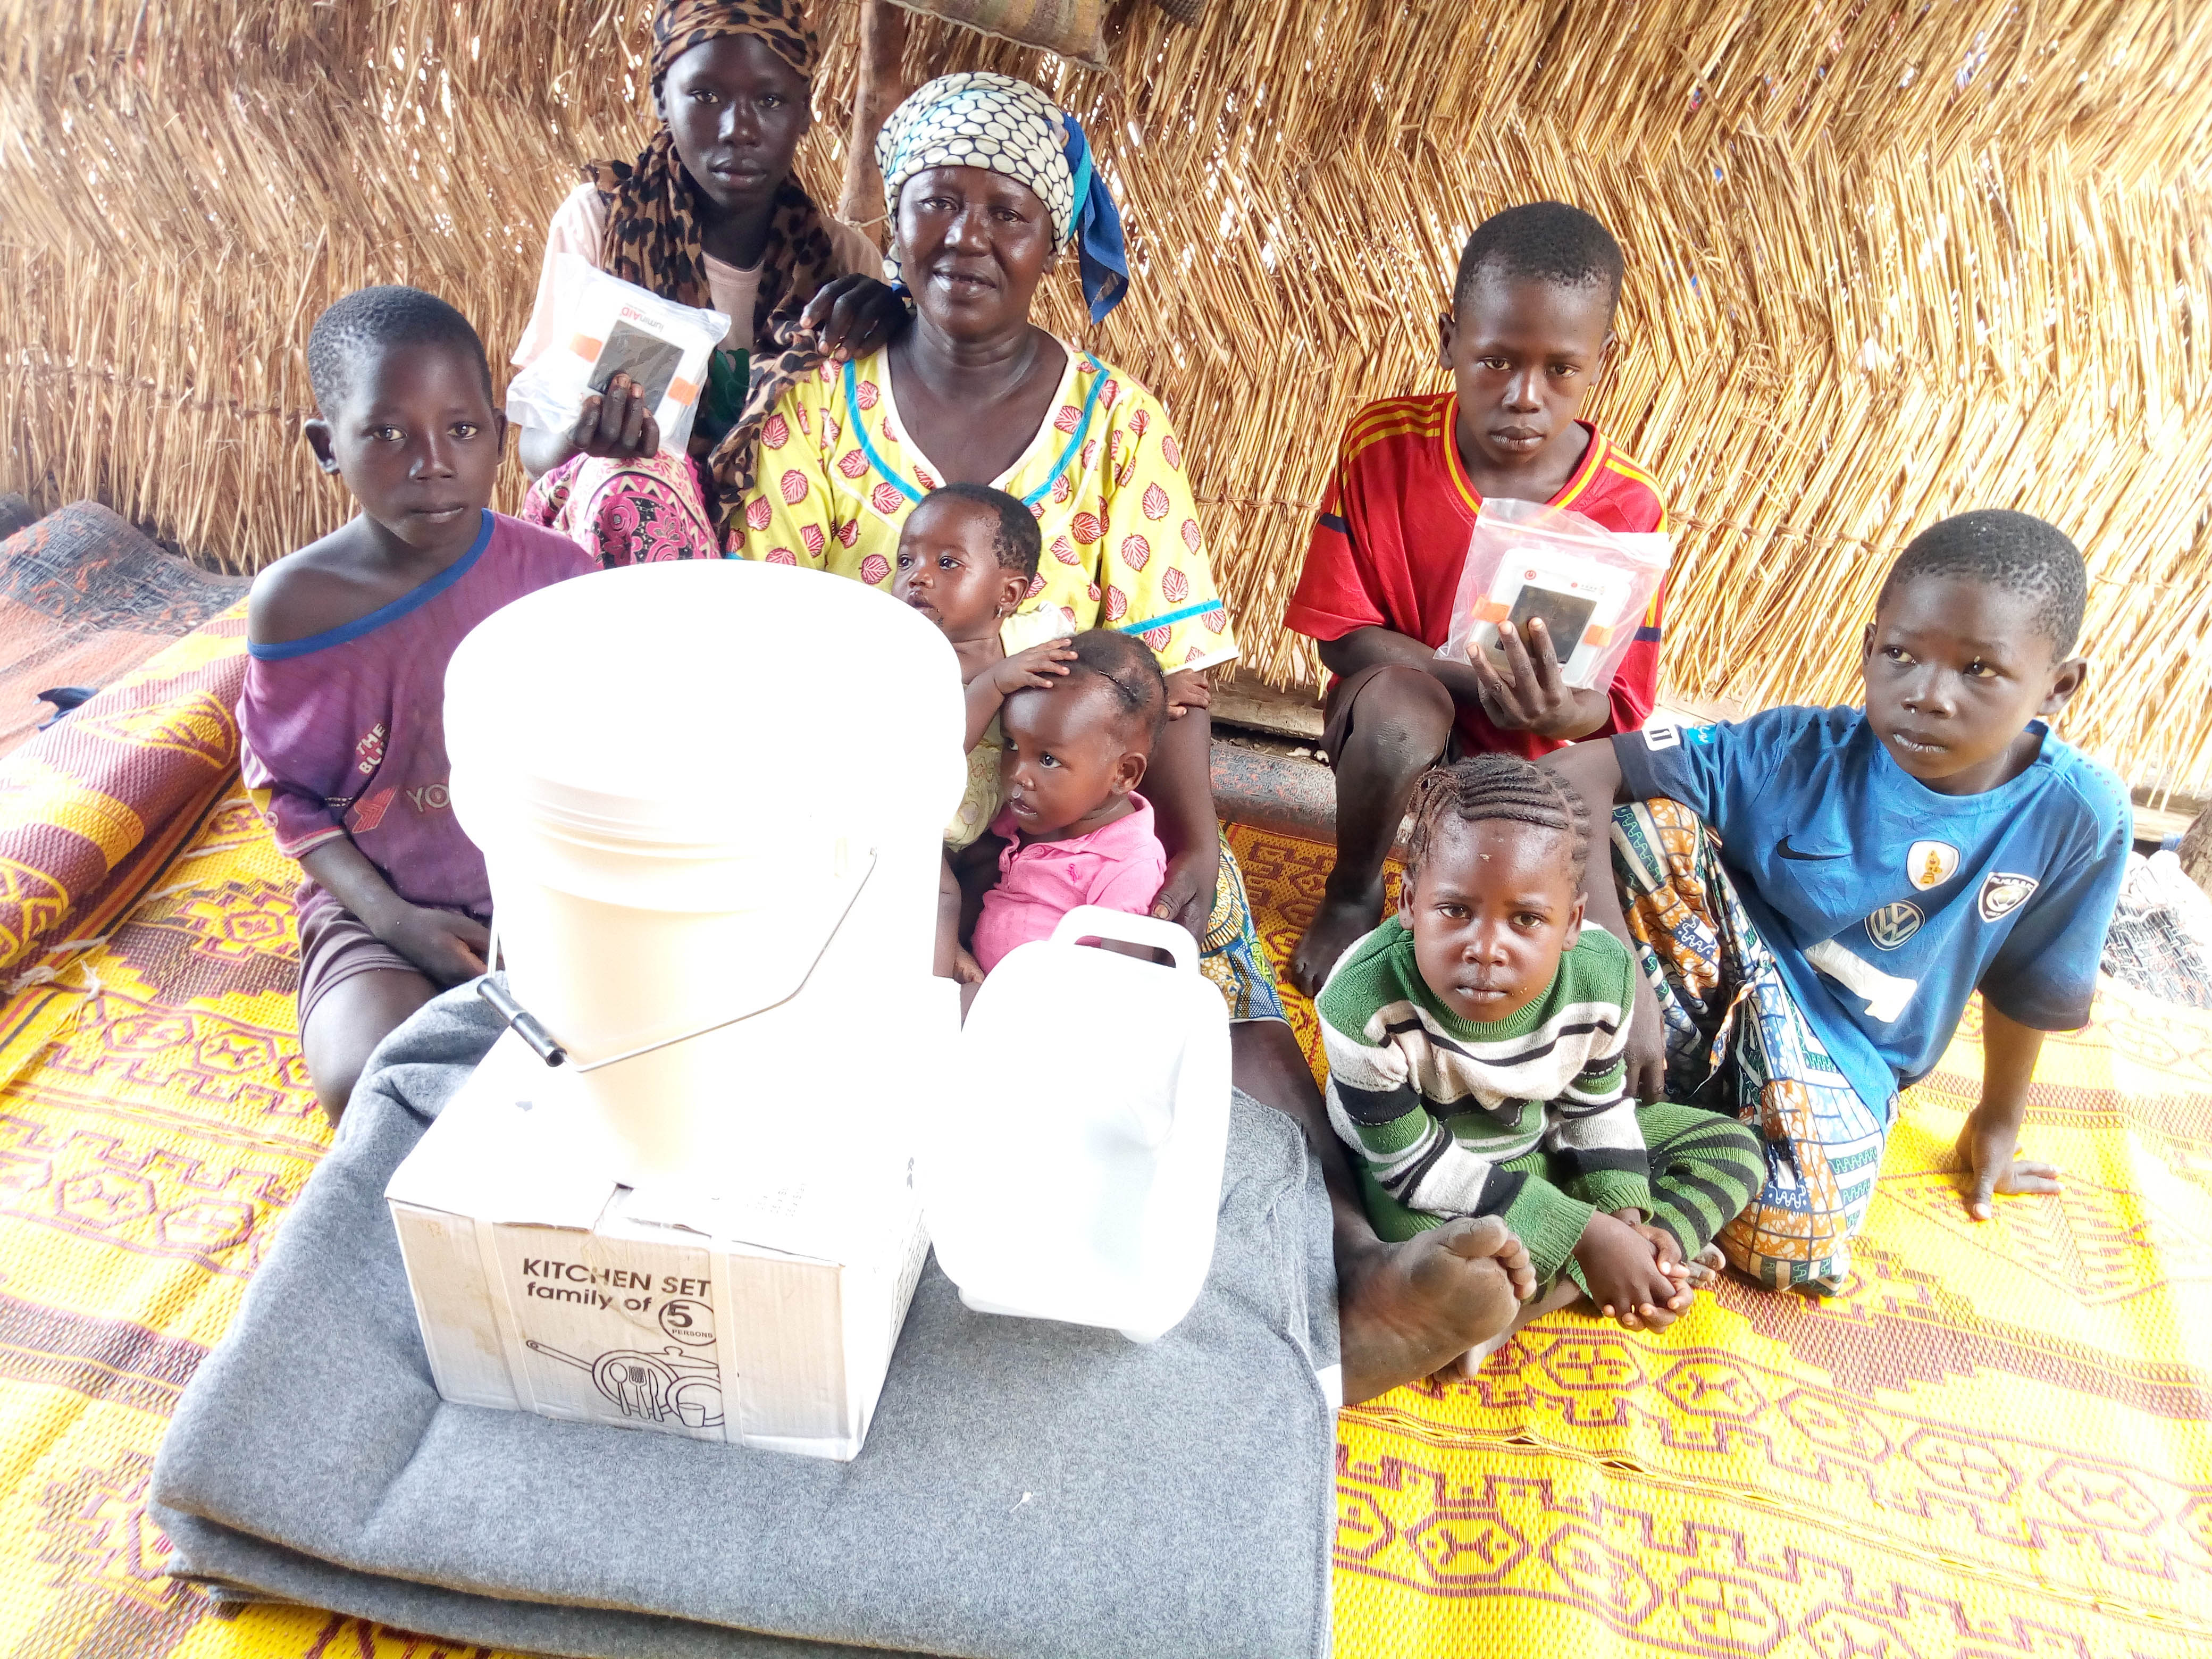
{"type": "Point", "coordinates": [762, 1312]}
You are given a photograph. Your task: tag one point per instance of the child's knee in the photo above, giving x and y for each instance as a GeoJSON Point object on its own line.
{"type": "Point", "coordinates": [342, 1030]}
{"type": "Point", "coordinates": [1403, 719]}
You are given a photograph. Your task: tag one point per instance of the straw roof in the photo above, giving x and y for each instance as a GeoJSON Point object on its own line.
{"type": "Point", "coordinates": [1884, 264]}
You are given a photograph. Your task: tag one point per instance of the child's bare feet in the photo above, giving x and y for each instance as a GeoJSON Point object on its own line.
{"type": "Point", "coordinates": [1409, 1309]}
{"type": "Point", "coordinates": [1629, 1279]}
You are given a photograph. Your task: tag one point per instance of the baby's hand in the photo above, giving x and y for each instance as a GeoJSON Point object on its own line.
{"type": "Point", "coordinates": [965, 968]}
{"type": "Point", "coordinates": [447, 946]}
{"type": "Point", "coordinates": [1625, 1279]}
{"type": "Point", "coordinates": [1033, 669]}
{"type": "Point", "coordinates": [1189, 689]}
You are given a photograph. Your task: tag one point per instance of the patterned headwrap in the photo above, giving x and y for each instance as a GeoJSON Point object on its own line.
{"type": "Point", "coordinates": [652, 230]}
{"type": "Point", "coordinates": [1009, 127]}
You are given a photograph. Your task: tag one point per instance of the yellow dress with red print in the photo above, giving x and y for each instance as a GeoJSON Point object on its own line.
{"type": "Point", "coordinates": [1104, 475]}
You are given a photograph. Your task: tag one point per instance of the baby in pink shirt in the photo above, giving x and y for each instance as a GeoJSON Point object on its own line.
{"type": "Point", "coordinates": [1077, 831]}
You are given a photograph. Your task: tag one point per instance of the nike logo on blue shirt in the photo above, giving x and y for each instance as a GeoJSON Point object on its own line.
{"type": "Point", "coordinates": [1782, 846]}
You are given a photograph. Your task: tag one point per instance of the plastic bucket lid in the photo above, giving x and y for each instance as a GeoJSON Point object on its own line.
{"type": "Point", "coordinates": [624, 709]}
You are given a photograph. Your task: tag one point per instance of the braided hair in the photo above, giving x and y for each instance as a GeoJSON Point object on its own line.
{"type": "Point", "coordinates": [1488, 787]}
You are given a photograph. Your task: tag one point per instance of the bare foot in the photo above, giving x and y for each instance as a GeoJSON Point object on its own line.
{"type": "Point", "coordinates": [1409, 1309]}
{"type": "Point", "coordinates": [1336, 926]}
{"type": "Point", "coordinates": [1706, 1267]}
{"type": "Point", "coordinates": [1563, 1294]}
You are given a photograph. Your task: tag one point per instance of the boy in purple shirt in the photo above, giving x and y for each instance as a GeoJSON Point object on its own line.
{"type": "Point", "coordinates": [347, 643]}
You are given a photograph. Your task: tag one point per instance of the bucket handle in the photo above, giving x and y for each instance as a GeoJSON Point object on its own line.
{"type": "Point", "coordinates": [542, 1043]}
{"type": "Point", "coordinates": [1095, 921]}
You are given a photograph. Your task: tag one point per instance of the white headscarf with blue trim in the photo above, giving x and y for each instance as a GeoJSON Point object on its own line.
{"type": "Point", "coordinates": [1008, 127]}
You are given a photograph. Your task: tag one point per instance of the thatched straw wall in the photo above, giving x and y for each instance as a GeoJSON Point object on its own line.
{"type": "Point", "coordinates": [1885, 263]}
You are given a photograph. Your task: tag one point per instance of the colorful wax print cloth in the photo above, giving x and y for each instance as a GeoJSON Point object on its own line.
{"type": "Point", "coordinates": [1887, 905]}
{"type": "Point", "coordinates": [1738, 1041]}
{"type": "Point", "coordinates": [1117, 866]}
{"type": "Point", "coordinates": [1391, 541]}
{"type": "Point", "coordinates": [344, 730]}
{"type": "Point", "coordinates": [1104, 475]}
{"type": "Point", "coordinates": [1230, 951]}
{"type": "Point", "coordinates": [639, 511]}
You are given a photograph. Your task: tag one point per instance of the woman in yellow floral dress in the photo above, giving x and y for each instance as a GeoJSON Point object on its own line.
{"type": "Point", "coordinates": [989, 185]}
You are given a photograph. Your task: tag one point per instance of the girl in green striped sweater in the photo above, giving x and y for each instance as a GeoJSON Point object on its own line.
{"type": "Point", "coordinates": [1475, 1045]}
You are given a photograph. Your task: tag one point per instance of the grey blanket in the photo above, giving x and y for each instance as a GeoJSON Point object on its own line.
{"type": "Point", "coordinates": [1027, 1488]}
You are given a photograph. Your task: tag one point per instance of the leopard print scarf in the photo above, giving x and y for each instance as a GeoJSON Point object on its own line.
{"type": "Point", "coordinates": [652, 236]}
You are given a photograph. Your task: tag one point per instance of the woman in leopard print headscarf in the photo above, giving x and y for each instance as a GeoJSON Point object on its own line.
{"type": "Point", "coordinates": [708, 215]}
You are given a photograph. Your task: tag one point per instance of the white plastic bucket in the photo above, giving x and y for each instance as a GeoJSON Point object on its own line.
{"type": "Point", "coordinates": [682, 777]}
{"type": "Point", "coordinates": [1068, 1174]}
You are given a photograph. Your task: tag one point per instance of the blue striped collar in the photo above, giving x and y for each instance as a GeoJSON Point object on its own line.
{"type": "Point", "coordinates": [414, 599]}
{"type": "Point", "coordinates": [913, 496]}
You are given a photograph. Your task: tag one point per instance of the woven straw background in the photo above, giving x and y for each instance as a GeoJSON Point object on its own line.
{"type": "Point", "coordinates": [1884, 262]}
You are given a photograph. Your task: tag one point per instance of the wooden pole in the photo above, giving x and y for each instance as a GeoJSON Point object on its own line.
{"type": "Point", "coordinates": [883, 44]}
{"type": "Point", "coordinates": [2196, 850]}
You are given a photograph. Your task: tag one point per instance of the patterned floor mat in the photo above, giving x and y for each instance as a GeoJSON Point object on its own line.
{"type": "Point", "coordinates": [1994, 1445]}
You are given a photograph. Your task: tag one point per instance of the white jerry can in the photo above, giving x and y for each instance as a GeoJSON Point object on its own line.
{"type": "Point", "coordinates": [1072, 1170]}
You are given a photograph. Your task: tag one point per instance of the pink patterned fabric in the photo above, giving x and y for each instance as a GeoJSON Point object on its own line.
{"type": "Point", "coordinates": [628, 512]}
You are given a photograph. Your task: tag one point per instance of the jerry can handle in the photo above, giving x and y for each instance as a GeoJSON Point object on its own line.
{"type": "Point", "coordinates": [1095, 921]}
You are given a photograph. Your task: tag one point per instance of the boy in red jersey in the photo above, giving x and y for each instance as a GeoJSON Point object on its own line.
{"type": "Point", "coordinates": [1525, 340]}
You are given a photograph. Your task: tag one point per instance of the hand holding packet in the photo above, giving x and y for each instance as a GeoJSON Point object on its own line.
{"type": "Point", "coordinates": [607, 327]}
{"type": "Point", "coordinates": [1590, 587]}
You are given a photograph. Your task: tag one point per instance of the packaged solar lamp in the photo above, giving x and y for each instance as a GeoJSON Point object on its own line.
{"type": "Point", "coordinates": [606, 327]}
{"type": "Point", "coordinates": [1590, 587]}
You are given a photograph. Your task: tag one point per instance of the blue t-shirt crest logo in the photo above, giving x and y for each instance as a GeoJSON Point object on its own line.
{"type": "Point", "coordinates": [2003, 893]}
{"type": "Point", "coordinates": [1930, 863]}
{"type": "Point", "coordinates": [1893, 924]}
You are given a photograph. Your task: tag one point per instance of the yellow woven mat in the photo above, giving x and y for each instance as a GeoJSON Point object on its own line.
{"type": "Point", "coordinates": [1998, 1442]}
{"type": "Point", "coordinates": [1994, 1446]}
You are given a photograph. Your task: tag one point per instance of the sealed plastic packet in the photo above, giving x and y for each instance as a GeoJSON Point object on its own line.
{"type": "Point", "coordinates": [1590, 586]}
{"type": "Point", "coordinates": [610, 327]}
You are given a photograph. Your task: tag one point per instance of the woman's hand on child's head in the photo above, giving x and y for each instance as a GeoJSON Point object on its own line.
{"type": "Point", "coordinates": [616, 426]}
{"type": "Point", "coordinates": [1989, 1150]}
{"type": "Point", "coordinates": [1037, 669]}
{"type": "Point", "coordinates": [1627, 1280]}
{"type": "Point", "coordinates": [445, 944]}
{"type": "Point", "coordinates": [852, 316]}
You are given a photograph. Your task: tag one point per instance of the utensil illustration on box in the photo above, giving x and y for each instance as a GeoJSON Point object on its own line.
{"type": "Point", "coordinates": [761, 1106]}
{"type": "Point", "coordinates": [668, 1387]}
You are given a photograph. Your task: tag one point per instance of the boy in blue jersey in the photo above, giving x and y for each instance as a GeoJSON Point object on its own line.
{"type": "Point", "coordinates": [1815, 892]}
